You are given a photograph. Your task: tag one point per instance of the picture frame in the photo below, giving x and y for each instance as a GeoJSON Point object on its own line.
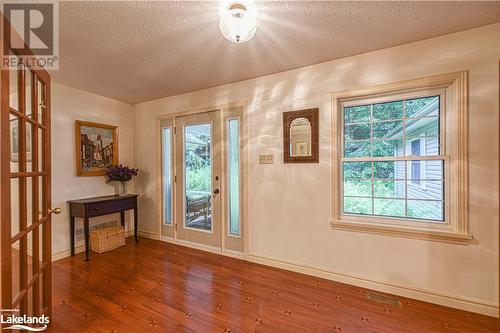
{"type": "Point", "coordinates": [96, 148]}
{"type": "Point", "coordinates": [294, 145]}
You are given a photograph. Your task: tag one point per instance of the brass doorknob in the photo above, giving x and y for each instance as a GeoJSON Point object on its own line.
{"type": "Point", "coordinates": [56, 211]}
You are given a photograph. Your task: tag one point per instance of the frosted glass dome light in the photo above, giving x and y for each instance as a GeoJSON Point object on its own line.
{"type": "Point", "coordinates": [238, 21]}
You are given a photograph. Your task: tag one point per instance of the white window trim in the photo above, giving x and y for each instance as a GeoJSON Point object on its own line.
{"type": "Point", "coordinates": [454, 141]}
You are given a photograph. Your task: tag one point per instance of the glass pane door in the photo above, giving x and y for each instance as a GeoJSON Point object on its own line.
{"type": "Point", "coordinates": [198, 177]}
{"type": "Point", "coordinates": [198, 166]}
{"type": "Point", "coordinates": [25, 221]}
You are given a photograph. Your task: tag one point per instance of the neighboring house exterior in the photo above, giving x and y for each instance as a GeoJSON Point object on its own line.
{"type": "Point", "coordinates": [424, 177]}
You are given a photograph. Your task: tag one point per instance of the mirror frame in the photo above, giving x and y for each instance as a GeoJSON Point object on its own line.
{"type": "Point", "coordinates": [288, 117]}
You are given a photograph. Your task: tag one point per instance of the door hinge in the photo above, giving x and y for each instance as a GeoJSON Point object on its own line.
{"type": "Point", "coordinates": [175, 179]}
{"type": "Point", "coordinates": [175, 130]}
{"type": "Point", "coordinates": [176, 227]}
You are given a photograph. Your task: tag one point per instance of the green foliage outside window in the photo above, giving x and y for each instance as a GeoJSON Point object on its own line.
{"type": "Point", "coordinates": [373, 188]}
{"type": "Point", "coordinates": [198, 169]}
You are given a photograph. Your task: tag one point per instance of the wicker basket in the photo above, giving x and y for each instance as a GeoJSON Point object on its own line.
{"type": "Point", "coordinates": [107, 239]}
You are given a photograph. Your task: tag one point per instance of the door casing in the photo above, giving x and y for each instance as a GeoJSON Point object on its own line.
{"type": "Point", "coordinates": [230, 245]}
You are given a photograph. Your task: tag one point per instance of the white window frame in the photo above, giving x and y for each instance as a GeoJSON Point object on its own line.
{"type": "Point", "coordinates": [452, 89]}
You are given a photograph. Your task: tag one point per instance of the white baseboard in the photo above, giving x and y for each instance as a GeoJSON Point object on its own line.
{"type": "Point", "coordinates": [425, 295]}
{"type": "Point", "coordinates": [207, 248]}
{"type": "Point", "coordinates": [233, 253]}
{"type": "Point", "coordinates": [148, 234]}
{"type": "Point", "coordinates": [79, 249]}
{"type": "Point", "coordinates": [192, 245]}
{"type": "Point", "coordinates": [196, 246]}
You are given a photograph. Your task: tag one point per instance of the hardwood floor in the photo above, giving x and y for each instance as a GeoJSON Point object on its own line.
{"type": "Point", "coordinates": [153, 286]}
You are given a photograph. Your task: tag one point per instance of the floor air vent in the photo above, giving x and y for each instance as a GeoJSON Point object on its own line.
{"type": "Point", "coordinates": [390, 300]}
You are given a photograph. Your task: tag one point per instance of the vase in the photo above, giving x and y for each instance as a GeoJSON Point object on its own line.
{"type": "Point", "coordinates": [122, 188]}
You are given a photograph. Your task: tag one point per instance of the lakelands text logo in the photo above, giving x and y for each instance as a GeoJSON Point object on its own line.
{"type": "Point", "coordinates": [10, 321]}
{"type": "Point", "coordinates": [33, 39]}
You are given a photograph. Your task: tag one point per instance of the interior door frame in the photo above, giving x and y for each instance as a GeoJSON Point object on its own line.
{"type": "Point", "coordinates": [6, 297]}
{"type": "Point", "coordinates": [167, 233]}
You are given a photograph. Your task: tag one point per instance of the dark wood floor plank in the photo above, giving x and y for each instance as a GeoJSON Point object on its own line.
{"type": "Point", "coordinates": [153, 286]}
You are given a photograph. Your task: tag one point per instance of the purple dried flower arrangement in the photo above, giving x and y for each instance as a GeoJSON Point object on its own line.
{"type": "Point", "coordinates": [120, 173]}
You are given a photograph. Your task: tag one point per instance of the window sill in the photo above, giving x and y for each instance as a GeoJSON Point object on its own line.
{"type": "Point", "coordinates": [397, 231]}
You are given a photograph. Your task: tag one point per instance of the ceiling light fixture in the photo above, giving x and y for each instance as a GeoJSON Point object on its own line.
{"type": "Point", "coordinates": [238, 21]}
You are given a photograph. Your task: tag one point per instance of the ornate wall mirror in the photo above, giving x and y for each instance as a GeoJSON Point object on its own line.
{"type": "Point", "coordinates": [300, 136]}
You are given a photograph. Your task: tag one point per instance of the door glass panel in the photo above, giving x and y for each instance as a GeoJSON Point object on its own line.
{"type": "Point", "coordinates": [40, 244]}
{"type": "Point", "coordinates": [41, 208]}
{"type": "Point", "coordinates": [41, 102]}
{"type": "Point", "coordinates": [29, 147]}
{"type": "Point", "coordinates": [13, 90]}
{"type": "Point", "coordinates": [29, 97]}
{"type": "Point", "coordinates": [197, 177]}
{"type": "Point", "coordinates": [29, 201]}
{"type": "Point", "coordinates": [29, 262]}
{"type": "Point", "coordinates": [16, 268]}
{"type": "Point", "coordinates": [14, 144]}
{"type": "Point", "coordinates": [14, 205]}
{"type": "Point", "coordinates": [167, 175]}
{"type": "Point", "coordinates": [234, 177]}
{"type": "Point", "coordinates": [40, 149]}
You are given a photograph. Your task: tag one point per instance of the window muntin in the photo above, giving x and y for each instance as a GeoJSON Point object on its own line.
{"type": "Point", "coordinates": [383, 171]}
{"type": "Point", "coordinates": [233, 157]}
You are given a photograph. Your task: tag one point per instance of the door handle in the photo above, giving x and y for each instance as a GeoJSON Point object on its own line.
{"type": "Point", "coordinates": [216, 191]}
{"type": "Point", "coordinates": [56, 211]}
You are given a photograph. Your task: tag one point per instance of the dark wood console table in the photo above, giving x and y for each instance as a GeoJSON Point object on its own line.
{"type": "Point", "coordinates": [98, 206]}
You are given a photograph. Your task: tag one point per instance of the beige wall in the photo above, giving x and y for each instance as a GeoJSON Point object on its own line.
{"type": "Point", "coordinates": [68, 105]}
{"type": "Point", "coordinates": [290, 205]}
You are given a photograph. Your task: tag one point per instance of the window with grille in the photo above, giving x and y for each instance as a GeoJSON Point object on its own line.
{"type": "Point", "coordinates": [385, 145]}
{"type": "Point", "coordinates": [400, 161]}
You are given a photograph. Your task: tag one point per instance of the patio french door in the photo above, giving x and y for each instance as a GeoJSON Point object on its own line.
{"type": "Point", "coordinates": [198, 178]}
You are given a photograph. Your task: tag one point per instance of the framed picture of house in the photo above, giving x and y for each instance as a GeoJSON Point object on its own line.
{"type": "Point", "coordinates": [96, 148]}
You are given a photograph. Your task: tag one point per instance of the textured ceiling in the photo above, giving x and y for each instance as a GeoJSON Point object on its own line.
{"type": "Point", "coordinates": [139, 51]}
